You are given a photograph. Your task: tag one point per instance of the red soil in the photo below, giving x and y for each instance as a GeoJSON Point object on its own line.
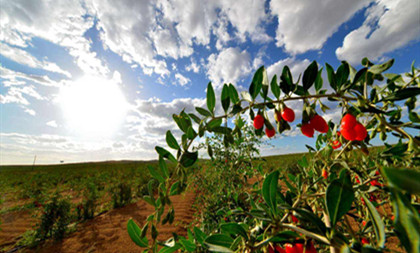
{"type": "Point", "coordinates": [108, 232]}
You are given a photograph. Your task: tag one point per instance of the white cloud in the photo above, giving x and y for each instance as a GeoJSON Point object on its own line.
{"type": "Point", "coordinates": [182, 80]}
{"type": "Point", "coordinates": [23, 57]}
{"type": "Point", "coordinates": [14, 78]}
{"type": "Point", "coordinates": [390, 24]}
{"type": "Point", "coordinates": [229, 66]}
{"type": "Point", "coordinates": [52, 123]}
{"type": "Point", "coordinates": [306, 25]}
{"type": "Point", "coordinates": [62, 23]}
{"type": "Point", "coordinates": [296, 66]}
{"type": "Point", "coordinates": [193, 66]}
{"type": "Point", "coordinates": [15, 94]}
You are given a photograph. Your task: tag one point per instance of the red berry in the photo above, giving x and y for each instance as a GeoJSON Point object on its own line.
{"type": "Point", "coordinates": [377, 173]}
{"type": "Point", "coordinates": [363, 223]}
{"type": "Point", "coordinates": [288, 114]}
{"type": "Point", "coordinates": [348, 121]}
{"type": "Point", "coordinates": [336, 144]}
{"type": "Point", "coordinates": [375, 183]}
{"type": "Point", "coordinates": [294, 219]}
{"type": "Point", "coordinates": [258, 121]}
{"type": "Point", "coordinates": [338, 133]}
{"type": "Point", "coordinates": [299, 247]}
{"type": "Point", "coordinates": [310, 248]}
{"type": "Point", "coordinates": [361, 132]}
{"type": "Point", "coordinates": [365, 241]}
{"type": "Point", "coordinates": [307, 130]}
{"type": "Point", "coordinates": [270, 132]}
{"type": "Point", "coordinates": [291, 248]}
{"type": "Point", "coordinates": [349, 134]}
{"type": "Point", "coordinates": [392, 217]}
{"type": "Point", "coordinates": [271, 249]}
{"type": "Point", "coordinates": [280, 249]}
{"type": "Point", "coordinates": [276, 249]}
{"type": "Point", "coordinates": [325, 174]}
{"type": "Point", "coordinates": [357, 179]}
{"type": "Point", "coordinates": [319, 124]}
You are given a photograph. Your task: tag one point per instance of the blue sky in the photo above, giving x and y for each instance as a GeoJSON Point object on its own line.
{"type": "Point", "coordinates": [99, 80]}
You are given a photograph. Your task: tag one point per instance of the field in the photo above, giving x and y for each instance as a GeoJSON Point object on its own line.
{"type": "Point", "coordinates": [25, 190]}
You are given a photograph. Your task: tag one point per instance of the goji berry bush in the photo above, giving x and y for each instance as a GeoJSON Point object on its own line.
{"type": "Point", "coordinates": [344, 198]}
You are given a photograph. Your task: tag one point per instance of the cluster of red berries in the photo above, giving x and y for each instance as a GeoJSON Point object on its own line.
{"type": "Point", "coordinates": [351, 129]}
{"type": "Point", "coordinates": [287, 114]}
{"type": "Point", "coordinates": [293, 248]}
{"type": "Point", "coordinates": [317, 123]}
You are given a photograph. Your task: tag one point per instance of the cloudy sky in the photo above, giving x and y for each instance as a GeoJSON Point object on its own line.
{"type": "Point", "coordinates": [100, 79]}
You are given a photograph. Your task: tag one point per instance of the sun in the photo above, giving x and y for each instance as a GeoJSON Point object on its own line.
{"type": "Point", "coordinates": [93, 106]}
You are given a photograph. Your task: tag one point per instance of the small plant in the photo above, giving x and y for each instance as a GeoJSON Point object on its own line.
{"type": "Point", "coordinates": [54, 219]}
{"type": "Point", "coordinates": [90, 202]}
{"type": "Point", "coordinates": [121, 195]}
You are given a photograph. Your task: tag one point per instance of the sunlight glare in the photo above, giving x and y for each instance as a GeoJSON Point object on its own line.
{"type": "Point", "coordinates": [93, 106]}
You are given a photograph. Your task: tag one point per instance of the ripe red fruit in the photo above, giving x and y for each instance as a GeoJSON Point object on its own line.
{"type": "Point", "coordinates": [276, 249]}
{"type": "Point", "coordinates": [288, 114]}
{"type": "Point", "coordinates": [361, 132]}
{"type": "Point", "coordinates": [376, 183]}
{"type": "Point", "coordinates": [299, 247]}
{"type": "Point", "coordinates": [365, 241]}
{"type": "Point", "coordinates": [258, 121]}
{"type": "Point", "coordinates": [290, 248]}
{"type": "Point", "coordinates": [348, 121]}
{"type": "Point", "coordinates": [336, 144]}
{"type": "Point", "coordinates": [363, 223]}
{"type": "Point", "coordinates": [319, 124]}
{"type": "Point", "coordinates": [307, 130]}
{"type": "Point", "coordinates": [349, 134]}
{"type": "Point", "coordinates": [294, 219]}
{"type": "Point", "coordinates": [270, 132]}
{"type": "Point", "coordinates": [325, 174]}
{"type": "Point", "coordinates": [338, 133]}
{"type": "Point", "coordinates": [310, 248]}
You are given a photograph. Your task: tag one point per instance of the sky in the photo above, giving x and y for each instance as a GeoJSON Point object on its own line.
{"type": "Point", "coordinates": [100, 79]}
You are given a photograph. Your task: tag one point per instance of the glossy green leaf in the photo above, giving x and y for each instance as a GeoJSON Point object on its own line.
{"type": "Point", "coordinates": [404, 179]}
{"type": "Point", "coordinates": [188, 158]}
{"type": "Point", "coordinates": [257, 82]}
{"type": "Point", "coordinates": [234, 229]}
{"type": "Point", "coordinates": [407, 222]}
{"type": "Point", "coordinates": [219, 243]}
{"type": "Point", "coordinates": [163, 167]}
{"type": "Point", "coordinates": [403, 94]}
{"type": "Point", "coordinates": [378, 224]}
{"type": "Point", "coordinates": [165, 153]}
{"type": "Point", "coordinates": [134, 232]}
{"type": "Point", "coordinates": [188, 245]}
{"type": "Point", "coordinates": [203, 112]}
{"type": "Point", "coordinates": [378, 69]}
{"type": "Point", "coordinates": [331, 76]}
{"type": "Point", "coordinates": [269, 190]}
{"type": "Point", "coordinates": [199, 235]}
{"type": "Point", "coordinates": [275, 88]}
{"type": "Point", "coordinates": [225, 97]}
{"type": "Point", "coordinates": [342, 74]}
{"type": "Point", "coordinates": [171, 141]}
{"type": "Point", "coordinates": [310, 75]}
{"type": "Point", "coordinates": [339, 197]}
{"type": "Point", "coordinates": [211, 98]}
{"type": "Point", "coordinates": [318, 80]}
{"type": "Point", "coordinates": [233, 94]}
{"type": "Point", "coordinates": [286, 80]}
{"type": "Point", "coordinates": [214, 123]}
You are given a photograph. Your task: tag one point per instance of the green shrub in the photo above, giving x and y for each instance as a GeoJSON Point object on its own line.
{"type": "Point", "coordinates": [121, 195]}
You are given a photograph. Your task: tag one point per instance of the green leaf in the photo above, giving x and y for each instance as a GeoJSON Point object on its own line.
{"type": "Point", "coordinates": [219, 243]}
{"type": "Point", "coordinates": [286, 80]}
{"type": "Point", "coordinates": [191, 134]}
{"type": "Point", "coordinates": [195, 118]}
{"type": "Point", "coordinates": [134, 232]}
{"type": "Point", "coordinates": [275, 88]}
{"type": "Point", "coordinates": [318, 80]}
{"type": "Point", "coordinates": [404, 179]}
{"type": "Point", "coordinates": [188, 245]}
{"type": "Point", "coordinates": [257, 82]}
{"type": "Point", "coordinates": [378, 69]}
{"type": "Point", "coordinates": [170, 139]}
{"type": "Point", "coordinates": [155, 174]}
{"type": "Point", "coordinates": [188, 158]}
{"type": "Point", "coordinates": [233, 94]}
{"type": "Point", "coordinates": [339, 197]}
{"type": "Point", "coordinates": [310, 75]}
{"type": "Point", "coordinates": [211, 98]}
{"type": "Point", "coordinates": [174, 189]}
{"type": "Point", "coordinates": [269, 190]}
{"type": "Point", "coordinates": [176, 247]}
{"type": "Point", "coordinates": [414, 117]}
{"type": "Point", "coordinates": [203, 112]}
{"type": "Point", "coordinates": [234, 229]}
{"type": "Point", "coordinates": [403, 94]}
{"type": "Point", "coordinates": [214, 123]}
{"type": "Point", "coordinates": [342, 74]}
{"type": "Point", "coordinates": [360, 75]}
{"type": "Point", "coordinates": [407, 221]}
{"type": "Point", "coordinates": [265, 84]}
{"type": "Point", "coordinates": [183, 121]}
{"type": "Point", "coordinates": [225, 97]}
{"type": "Point", "coordinates": [165, 153]}
{"type": "Point", "coordinates": [331, 76]}
{"type": "Point", "coordinates": [163, 167]}
{"type": "Point", "coordinates": [366, 62]}
{"type": "Point", "coordinates": [199, 235]}
{"type": "Point", "coordinates": [378, 224]}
